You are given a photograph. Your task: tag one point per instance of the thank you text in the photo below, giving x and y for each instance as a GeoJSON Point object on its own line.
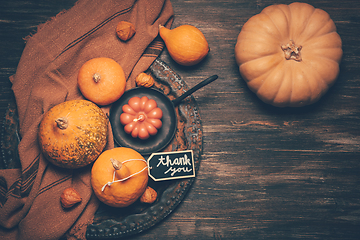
{"type": "Point", "coordinates": [171, 165]}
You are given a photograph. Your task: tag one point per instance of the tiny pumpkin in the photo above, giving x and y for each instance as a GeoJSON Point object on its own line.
{"type": "Point", "coordinates": [119, 176]}
{"type": "Point", "coordinates": [101, 80]}
{"type": "Point", "coordinates": [289, 55]}
{"type": "Point", "coordinates": [186, 44]}
{"type": "Point", "coordinates": [72, 134]}
{"type": "Point", "coordinates": [144, 80]}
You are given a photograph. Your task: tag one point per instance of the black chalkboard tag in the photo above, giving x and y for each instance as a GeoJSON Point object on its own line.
{"type": "Point", "coordinates": [171, 165]}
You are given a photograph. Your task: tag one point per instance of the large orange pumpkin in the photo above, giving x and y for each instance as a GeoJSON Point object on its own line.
{"type": "Point", "coordinates": [289, 55]}
{"type": "Point", "coordinates": [72, 134]}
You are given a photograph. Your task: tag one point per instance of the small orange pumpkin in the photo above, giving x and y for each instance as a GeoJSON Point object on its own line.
{"type": "Point", "coordinates": [72, 134]}
{"type": "Point", "coordinates": [101, 80]}
{"type": "Point", "coordinates": [289, 55]}
{"type": "Point", "coordinates": [119, 176]}
{"type": "Point", "coordinates": [186, 44]}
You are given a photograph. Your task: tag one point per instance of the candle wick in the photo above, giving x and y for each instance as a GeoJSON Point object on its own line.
{"type": "Point", "coordinates": [140, 118]}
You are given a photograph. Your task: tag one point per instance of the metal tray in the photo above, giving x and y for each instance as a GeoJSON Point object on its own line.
{"type": "Point", "coordinates": [109, 222]}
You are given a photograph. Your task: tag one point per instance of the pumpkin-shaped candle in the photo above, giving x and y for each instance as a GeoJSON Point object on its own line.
{"type": "Point", "coordinates": [141, 117]}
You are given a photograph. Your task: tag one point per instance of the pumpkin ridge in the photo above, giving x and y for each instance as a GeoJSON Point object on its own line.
{"type": "Point", "coordinates": [282, 82]}
{"type": "Point", "coordinates": [292, 98]}
{"type": "Point", "coordinates": [319, 74]}
{"type": "Point", "coordinates": [287, 17]}
{"type": "Point", "coordinates": [323, 82]}
{"type": "Point", "coordinates": [327, 58]}
{"type": "Point", "coordinates": [280, 87]}
{"type": "Point", "coordinates": [315, 35]}
{"type": "Point", "coordinates": [308, 21]}
{"type": "Point", "coordinates": [292, 83]}
{"type": "Point", "coordinates": [294, 21]}
{"type": "Point", "coordinates": [255, 30]}
{"type": "Point", "coordinates": [314, 40]}
{"type": "Point", "coordinates": [260, 57]}
{"type": "Point", "coordinates": [276, 26]}
{"type": "Point", "coordinates": [268, 78]}
{"type": "Point", "coordinates": [312, 93]}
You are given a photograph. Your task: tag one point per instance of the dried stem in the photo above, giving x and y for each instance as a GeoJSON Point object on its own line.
{"type": "Point", "coordinates": [292, 51]}
{"type": "Point", "coordinates": [96, 77]}
{"type": "Point", "coordinates": [62, 123]}
{"type": "Point", "coordinates": [116, 164]}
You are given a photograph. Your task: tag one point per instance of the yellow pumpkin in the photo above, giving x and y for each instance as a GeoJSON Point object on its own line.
{"type": "Point", "coordinates": [289, 55]}
{"type": "Point", "coordinates": [72, 134]}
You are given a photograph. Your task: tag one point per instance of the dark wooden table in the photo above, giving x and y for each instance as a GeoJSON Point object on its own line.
{"type": "Point", "coordinates": [266, 172]}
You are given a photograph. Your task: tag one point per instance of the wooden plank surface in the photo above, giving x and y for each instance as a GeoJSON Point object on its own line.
{"type": "Point", "coordinates": [266, 172]}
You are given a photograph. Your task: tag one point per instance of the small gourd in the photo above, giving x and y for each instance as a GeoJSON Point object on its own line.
{"type": "Point", "coordinates": [141, 117]}
{"type": "Point", "coordinates": [72, 134]}
{"type": "Point", "coordinates": [186, 44]}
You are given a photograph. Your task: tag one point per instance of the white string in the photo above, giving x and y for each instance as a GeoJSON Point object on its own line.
{"type": "Point", "coordinates": [121, 180]}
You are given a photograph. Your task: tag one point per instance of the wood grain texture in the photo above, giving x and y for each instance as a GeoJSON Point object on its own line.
{"type": "Point", "coordinates": [266, 172]}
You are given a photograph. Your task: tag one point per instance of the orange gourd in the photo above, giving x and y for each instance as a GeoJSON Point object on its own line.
{"type": "Point", "coordinates": [119, 176]}
{"type": "Point", "coordinates": [186, 44]}
{"type": "Point", "coordinates": [101, 80]}
{"type": "Point", "coordinates": [289, 55]}
{"type": "Point", "coordinates": [72, 134]}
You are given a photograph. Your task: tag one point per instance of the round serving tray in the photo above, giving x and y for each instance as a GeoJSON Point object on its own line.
{"type": "Point", "coordinates": [115, 223]}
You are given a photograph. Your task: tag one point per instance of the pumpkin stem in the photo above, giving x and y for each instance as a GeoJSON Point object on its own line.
{"type": "Point", "coordinates": [62, 123]}
{"type": "Point", "coordinates": [292, 51]}
{"type": "Point", "coordinates": [96, 77]}
{"type": "Point", "coordinates": [120, 169]}
{"type": "Point", "coordinates": [116, 164]}
{"type": "Point", "coordinates": [163, 31]}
